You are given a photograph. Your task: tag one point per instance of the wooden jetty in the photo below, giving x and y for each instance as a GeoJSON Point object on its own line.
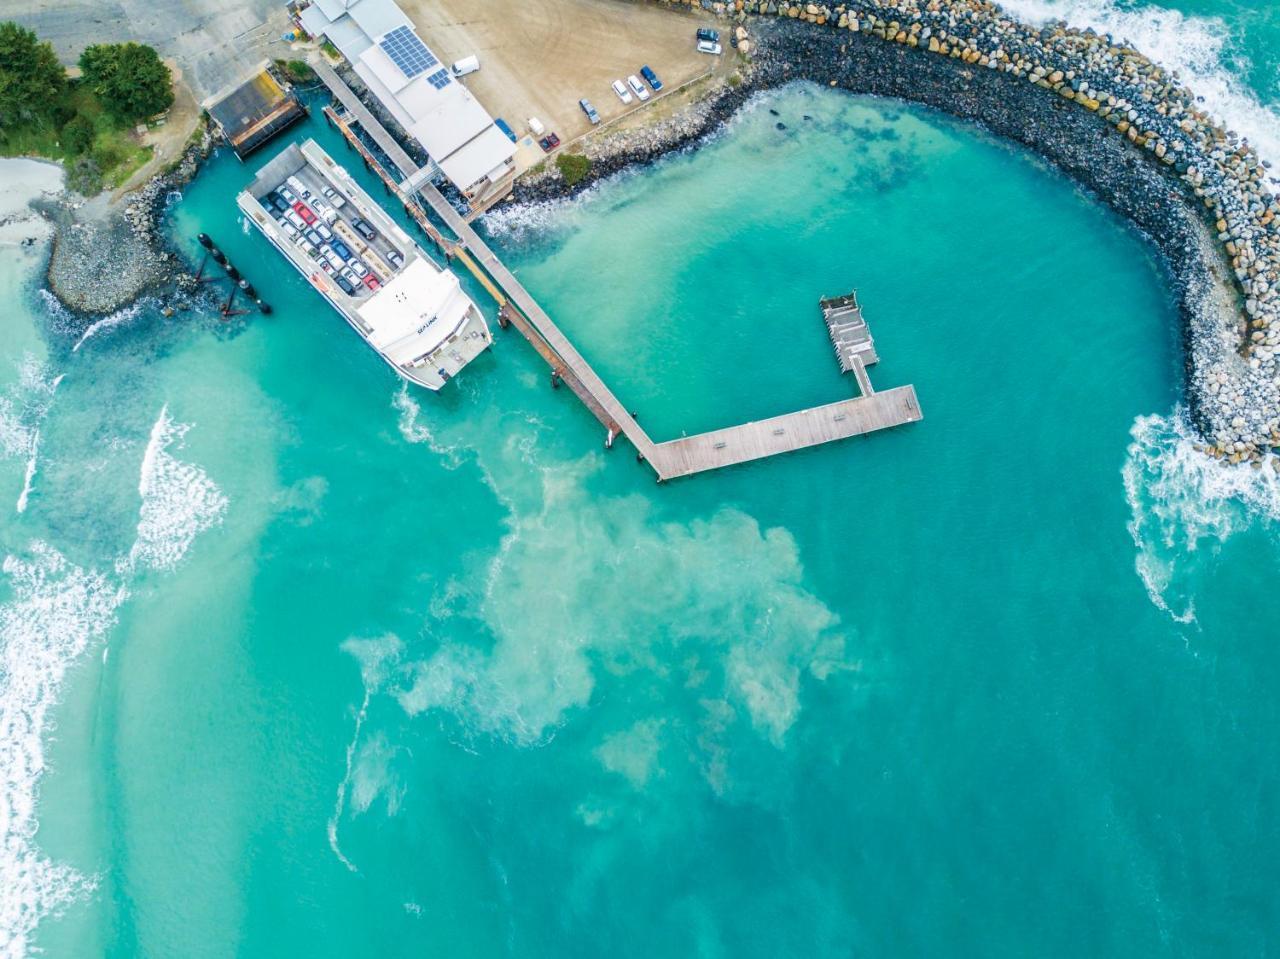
{"type": "Point", "coordinates": [517, 308]}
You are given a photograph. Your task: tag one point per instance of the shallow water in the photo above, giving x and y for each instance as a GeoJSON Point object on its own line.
{"type": "Point", "coordinates": [325, 666]}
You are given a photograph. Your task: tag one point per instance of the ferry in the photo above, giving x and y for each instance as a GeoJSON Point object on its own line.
{"type": "Point", "coordinates": [413, 312]}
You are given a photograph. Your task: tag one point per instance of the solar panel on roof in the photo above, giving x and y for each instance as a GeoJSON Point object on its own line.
{"type": "Point", "coordinates": [439, 79]}
{"type": "Point", "coordinates": [407, 52]}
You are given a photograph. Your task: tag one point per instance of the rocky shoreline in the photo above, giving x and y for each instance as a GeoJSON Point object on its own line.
{"type": "Point", "coordinates": [1105, 115]}
{"type": "Point", "coordinates": [104, 256]}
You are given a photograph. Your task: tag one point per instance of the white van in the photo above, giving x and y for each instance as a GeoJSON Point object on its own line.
{"type": "Point", "coordinates": [536, 127]}
{"type": "Point", "coordinates": [298, 188]}
{"type": "Point", "coordinates": [466, 65]}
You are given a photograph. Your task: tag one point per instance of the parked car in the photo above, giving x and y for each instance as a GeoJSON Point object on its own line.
{"type": "Point", "coordinates": [621, 90]}
{"type": "Point", "coordinates": [358, 268]}
{"type": "Point", "coordinates": [296, 185]}
{"type": "Point", "coordinates": [288, 194]}
{"type": "Point", "coordinates": [549, 142]}
{"type": "Point", "coordinates": [371, 282]}
{"type": "Point", "coordinates": [395, 259]}
{"type": "Point", "coordinates": [651, 77]}
{"type": "Point", "coordinates": [313, 237]}
{"type": "Point", "coordinates": [466, 65]}
{"type": "Point", "coordinates": [637, 87]}
{"type": "Point", "coordinates": [341, 249]}
{"type": "Point", "coordinates": [333, 258]}
{"type": "Point", "coordinates": [289, 230]}
{"type": "Point", "coordinates": [589, 110]}
{"type": "Point", "coordinates": [536, 127]}
{"type": "Point", "coordinates": [501, 124]}
{"type": "Point", "coordinates": [279, 203]}
{"type": "Point", "coordinates": [344, 284]}
{"type": "Point", "coordinates": [706, 46]}
{"type": "Point", "coordinates": [324, 232]}
{"type": "Point", "coordinates": [292, 217]}
{"type": "Point", "coordinates": [304, 211]}
{"type": "Point", "coordinates": [363, 228]}
{"type": "Point", "coordinates": [334, 197]}
{"type": "Point", "coordinates": [708, 35]}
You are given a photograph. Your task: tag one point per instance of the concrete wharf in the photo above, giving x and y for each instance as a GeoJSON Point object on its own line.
{"type": "Point", "coordinates": [671, 459]}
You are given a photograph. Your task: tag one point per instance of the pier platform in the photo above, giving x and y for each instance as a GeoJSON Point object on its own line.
{"type": "Point", "coordinates": [674, 458]}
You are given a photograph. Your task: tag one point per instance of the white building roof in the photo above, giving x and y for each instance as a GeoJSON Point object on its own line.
{"type": "Point", "coordinates": [417, 310]}
{"type": "Point", "coordinates": [484, 155]}
{"type": "Point", "coordinates": [440, 113]}
{"type": "Point", "coordinates": [378, 17]}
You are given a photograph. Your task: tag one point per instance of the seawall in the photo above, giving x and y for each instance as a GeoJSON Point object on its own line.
{"type": "Point", "coordinates": [1103, 113]}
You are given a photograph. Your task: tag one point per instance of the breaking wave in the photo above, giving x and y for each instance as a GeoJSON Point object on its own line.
{"type": "Point", "coordinates": [1196, 47]}
{"type": "Point", "coordinates": [1181, 501]}
{"type": "Point", "coordinates": [179, 501]}
{"type": "Point", "coordinates": [110, 322]}
{"type": "Point", "coordinates": [56, 609]}
{"type": "Point", "coordinates": [22, 411]}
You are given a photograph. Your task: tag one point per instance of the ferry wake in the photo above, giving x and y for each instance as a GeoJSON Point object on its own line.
{"type": "Point", "coordinates": [410, 310]}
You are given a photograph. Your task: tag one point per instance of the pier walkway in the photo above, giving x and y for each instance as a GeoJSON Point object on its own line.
{"type": "Point", "coordinates": [517, 307]}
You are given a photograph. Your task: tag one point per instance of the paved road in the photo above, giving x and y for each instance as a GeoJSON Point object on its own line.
{"type": "Point", "coordinates": [215, 43]}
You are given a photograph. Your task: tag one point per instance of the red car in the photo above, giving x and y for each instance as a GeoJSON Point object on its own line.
{"type": "Point", "coordinates": [549, 142]}
{"type": "Point", "coordinates": [371, 281]}
{"type": "Point", "coordinates": [304, 211]}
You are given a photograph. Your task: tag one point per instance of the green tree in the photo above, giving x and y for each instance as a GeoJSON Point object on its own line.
{"type": "Point", "coordinates": [31, 79]}
{"type": "Point", "coordinates": [128, 78]}
{"type": "Point", "coordinates": [77, 134]}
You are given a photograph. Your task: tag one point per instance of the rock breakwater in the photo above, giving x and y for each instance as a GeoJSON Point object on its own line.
{"type": "Point", "coordinates": [106, 256]}
{"type": "Point", "coordinates": [1103, 112]}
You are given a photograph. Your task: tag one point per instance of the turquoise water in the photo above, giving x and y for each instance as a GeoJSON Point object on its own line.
{"type": "Point", "coordinates": [300, 662]}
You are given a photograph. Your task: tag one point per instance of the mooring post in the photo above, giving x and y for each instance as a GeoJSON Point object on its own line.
{"type": "Point", "coordinates": [504, 321]}
{"type": "Point", "coordinates": [555, 379]}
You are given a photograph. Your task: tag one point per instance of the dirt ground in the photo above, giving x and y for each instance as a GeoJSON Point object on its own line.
{"type": "Point", "coordinates": [537, 57]}
{"type": "Point", "coordinates": [170, 138]}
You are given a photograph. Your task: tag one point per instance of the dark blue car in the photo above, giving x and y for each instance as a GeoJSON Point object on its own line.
{"type": "Point", "coordinates": [651, 78]}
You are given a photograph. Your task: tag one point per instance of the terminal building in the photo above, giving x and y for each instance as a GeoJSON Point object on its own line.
{"type": "Point", "coordinates": [420, 92]}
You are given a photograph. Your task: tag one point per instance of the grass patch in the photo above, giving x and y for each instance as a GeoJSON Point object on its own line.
{"type": "Point", "coordinates": [96, 150]}
{"type": "Point", "coordinates": [574, 167]}
{"type": "Point", "coordinates": [735, 80]}
{"type": "Point", "coordinates": [330, 50]}
{"type": "Point", "coordinates": [297, 71]}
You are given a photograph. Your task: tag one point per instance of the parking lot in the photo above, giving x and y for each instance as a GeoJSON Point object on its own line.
{"type": "Point", "coordinates": [538, 57]}
{"type": "Point", "coordinates": [381, 262]}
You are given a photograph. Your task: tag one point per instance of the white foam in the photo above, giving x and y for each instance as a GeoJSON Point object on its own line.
{"type": "Point", "coordinates": [55, 611]}
{"type": "Point", "coordinates": [415, 430]}
{"type": "Point", "coordinates": [179, 501]}
{"type": "Point", "coordinates": [118, 318]}
{"type": "Point", "coordinates": [1196, 47]}
{"type": "Point", "coordinates": [377, 658]}
{"type": "Point", "coordinates": [23, 408]}
{"type": "Point", "coordinates": [1181, 501]}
